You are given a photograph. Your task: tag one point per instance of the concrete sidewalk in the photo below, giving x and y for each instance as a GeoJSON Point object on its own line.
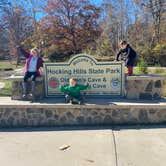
{"type": "Point", "coordinates": [89, 146]}
{"type": "Point", "coordinates": [141, 147]}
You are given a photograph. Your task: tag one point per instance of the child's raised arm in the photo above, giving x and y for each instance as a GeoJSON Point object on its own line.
{"type": "Point", "coordinates": [26, 54]}
{"type": "Point", "coordinates": [83, 87]}
{"type": "Point", "coordinates": [63, 88]}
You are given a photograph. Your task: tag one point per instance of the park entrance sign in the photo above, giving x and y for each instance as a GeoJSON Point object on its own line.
{"type": "Point", "coordinates": [104, 78]}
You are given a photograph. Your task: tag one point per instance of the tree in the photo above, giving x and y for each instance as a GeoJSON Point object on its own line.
{"type": "Point", "coordinates": [3, 35]}
{"type": "Point", "coordinates": [116, 17]}
{"type": "Point", "coordinates": [17, 26]}
{"type": "Point", "coordinates": [157, 10]}
{"type": "Point", "coordinates": [71, 25]}
{"type": "Point", "coordinates": [160, 53]}
{"type": "Point", "coordinates": [151, 31]}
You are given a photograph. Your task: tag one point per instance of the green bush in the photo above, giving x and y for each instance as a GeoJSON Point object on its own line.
{"type": "Point", "coordinates": [59, 56]}
{"type": "Point", "coordinates": [142, 67]}
{"type": "Point", "coordinates": [56, 57]}
{"type": "Point", "coordinates": [160, 53]}
{"type": "Point", "coordinates": [102, 49]}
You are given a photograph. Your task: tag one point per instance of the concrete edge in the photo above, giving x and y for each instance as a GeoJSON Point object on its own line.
{"type": "Point", "coordinates": [146, 77]}
{"type": "Point", "coordinates": [38, 105]}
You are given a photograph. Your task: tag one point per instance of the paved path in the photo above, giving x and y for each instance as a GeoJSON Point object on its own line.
{"type": "Point", "coordinates": [118, 146]}
{"type": "Point", "coordinates": [141, 147]}
{"type": "Point", "coordinates": [2, 84]}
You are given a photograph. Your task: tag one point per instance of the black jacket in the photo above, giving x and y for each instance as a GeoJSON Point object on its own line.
{"type": "Point", "coordinates": [130, 55]}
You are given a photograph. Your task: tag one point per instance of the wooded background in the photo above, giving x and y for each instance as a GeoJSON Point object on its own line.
{"type": "Point", "coordinates": [61, 28]}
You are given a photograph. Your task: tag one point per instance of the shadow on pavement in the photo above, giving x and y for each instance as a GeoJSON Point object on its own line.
{"type": "Point", "coordinates": [75, 128]}
{"type": "Point", "coordinates": [101, 101]}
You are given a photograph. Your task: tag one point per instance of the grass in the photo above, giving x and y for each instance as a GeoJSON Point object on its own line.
{"type": "Point", "coordinates": [157, 71]}
{"type": "Point", "coordinates": [7, 64]}
{"type": "Point", "coordinates": [6, 90]}
{"type": "Point", "coordinates": [151, 71]}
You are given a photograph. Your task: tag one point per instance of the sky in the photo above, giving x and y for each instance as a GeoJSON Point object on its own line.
{"type": "Point", "coordinates": [40, 15]}
{"type": "Point", "coordinates": [97, 2]}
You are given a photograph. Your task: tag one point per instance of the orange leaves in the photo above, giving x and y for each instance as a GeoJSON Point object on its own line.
{"type": "Point", "coordinates": [71, 25]}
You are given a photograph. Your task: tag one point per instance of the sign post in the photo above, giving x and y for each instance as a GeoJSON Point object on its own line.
{"type": "Point", "coordinates": [104, 78]}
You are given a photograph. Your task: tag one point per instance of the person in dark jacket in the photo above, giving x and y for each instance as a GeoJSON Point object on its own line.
{"type": "Point", "coordinates": [32, 66]}
{"type": "Point", "coordinates": [72, 91]}
{"type": "Point", "coordinates": [130, 56]}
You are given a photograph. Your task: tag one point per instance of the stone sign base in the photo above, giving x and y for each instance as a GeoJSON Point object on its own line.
{"type": "Point", "coordinates": [24, 114]}
{"type": "Point", "coordinates": [144, 87]}
{"type": "Point", "coordinates": [17, 89]}
{"type": "Point", "coordinates": [136, 87]}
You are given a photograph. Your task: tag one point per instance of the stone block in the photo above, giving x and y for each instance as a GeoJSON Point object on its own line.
{"type": "Point", "coordinates": [143, 116]}
{"type": "Point", "coordinates": [156, 96]}
{"type": "Point", "coordinates": [80, 119]}
{"type": "Point", "coordinates": [144, 87]}
{"type": "Point", "coordinates": [158, 84]}
{"type": "Point", "coordinates": [107, 119]}
{"type": "Point", "coordinates": [149, 87]}
{"type": "Point", "coordinates": [146, 96]}
{"type": "Point", "coordinates": [17, 89]}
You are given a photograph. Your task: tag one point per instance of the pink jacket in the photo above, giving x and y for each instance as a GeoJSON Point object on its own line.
{"type": "Point", "coordinates": [28, 59]}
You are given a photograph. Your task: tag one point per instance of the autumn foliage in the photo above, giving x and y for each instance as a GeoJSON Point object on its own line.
{"type": "Point", "coordinates": [61, 28]}
{"type": "Point", "coordinates": [69, 27]}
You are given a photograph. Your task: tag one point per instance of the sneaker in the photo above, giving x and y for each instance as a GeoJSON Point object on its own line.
{"type": "Point", "coordinates": [32, 101]}
{"type": "Point", "coordinates": [75, 100]}
{"type": "Point", "coordinates": [81, 102]}
{"type": "Point", "coordinates": [24, 96]}
{"type": "Point", "coordinates": [71, 102]}
{"type": "Point", "coordinates": [31, 95]}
